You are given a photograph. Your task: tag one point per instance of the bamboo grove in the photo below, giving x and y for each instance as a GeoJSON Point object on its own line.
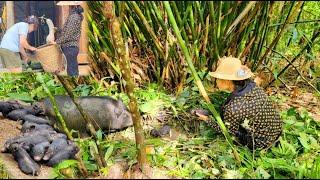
{"type": "Point", "coordinates": [253, 31]}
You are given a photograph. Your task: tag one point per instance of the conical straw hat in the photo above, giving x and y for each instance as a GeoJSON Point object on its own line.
{"type": "Point", "coordinates": [69, 3]}
{"type": "Point", "coordinates": [230, 68]}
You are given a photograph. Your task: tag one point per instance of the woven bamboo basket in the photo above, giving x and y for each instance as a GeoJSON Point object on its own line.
{"type": "Point", "coordinates": [51, 58]}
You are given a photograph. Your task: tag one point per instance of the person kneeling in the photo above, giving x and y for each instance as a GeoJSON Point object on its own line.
{"type": "Point", "coordinates": [248, 113]}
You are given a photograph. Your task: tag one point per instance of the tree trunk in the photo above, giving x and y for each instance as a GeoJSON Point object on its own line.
{"type": "Point", "coordinates": [10, 13]}
{"type": "Point", "coordinates": [123, 56]}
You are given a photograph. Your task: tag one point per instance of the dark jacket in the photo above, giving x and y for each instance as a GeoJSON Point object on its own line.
{"type": "Point", "coordinates": [250, 116]}
{"type": "Point", "coordinates": [71, 31]}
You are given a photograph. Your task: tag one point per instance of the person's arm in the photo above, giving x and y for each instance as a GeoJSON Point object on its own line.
{"type": "Point", "coordinates": [23, 54]}
{"type": "Point", "coordinates": [24, 43]}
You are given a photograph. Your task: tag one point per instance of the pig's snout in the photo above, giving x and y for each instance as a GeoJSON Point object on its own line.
{"type": "Point", "coordinates": [129, 122]}
{"type": "Point", "coordinates": [122, 122]}
{"type": "Point", "coordinates": [37, 157]}
{"type": "Point", "coordinates": [125, 120]}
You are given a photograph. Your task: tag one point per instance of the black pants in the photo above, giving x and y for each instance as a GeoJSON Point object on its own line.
{"type": "Point", "coordinates": [71, 54]}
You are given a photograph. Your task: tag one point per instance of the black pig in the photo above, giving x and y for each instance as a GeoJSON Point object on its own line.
{"type": "Point", "coordinates": [37, 152]}
{"type": "Point", "coordinates": [6, 107]}
{"type": "Point", "coordinates": [25, 162]}
{"type": "Point", "coordinates": [30, 127]}
{"type": "Point", "coordinates": [31, 139]}
{"type": "Point", "coordinates": [56, 146]}
{"type": "Point", "coordinates": [108, 113]}
{"type": "Point", "coordinates": [35, 119]}
{"type": "Point", "coordinates": [68, 152]}
{"type": "Point", "coordinates": [17, 114]}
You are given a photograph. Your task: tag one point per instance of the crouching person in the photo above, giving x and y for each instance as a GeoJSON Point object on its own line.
{"type": "Point", "coordinates": [248, 113]}
{"type": "Point", "coordinates": [14, 44]}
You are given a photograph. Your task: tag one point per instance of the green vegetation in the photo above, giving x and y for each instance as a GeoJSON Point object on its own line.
{"type": "Point", "coordinates": [199, 152]}
{"type": "Point", "coordinates": [3, 172]}
{"type": "Point", "coordinates": [171, 45]}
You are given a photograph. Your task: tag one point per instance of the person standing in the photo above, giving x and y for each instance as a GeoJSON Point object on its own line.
{"type": "Point", "coordinates": [69, 36]}
{"type": "Point", "coordinates": [14, 44]}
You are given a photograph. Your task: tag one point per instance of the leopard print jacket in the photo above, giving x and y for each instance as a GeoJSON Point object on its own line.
{"type": "Point", "coordinates": [71, 31]}
{"type": "Point", "coordinates": [252, 119]}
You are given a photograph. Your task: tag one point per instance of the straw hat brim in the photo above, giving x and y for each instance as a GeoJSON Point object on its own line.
{"type": "Point", "coordinates": [69, 3]}
{"type": "Point", "coordinates": [221, 75]}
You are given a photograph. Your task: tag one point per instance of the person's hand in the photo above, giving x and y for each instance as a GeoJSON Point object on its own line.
{"type": "Point", "coordinates": [53, 42]}
{"type": "Point", "coordinates": [33, 49]}
{"type": "Point", "coordinates": [202, 114]}
{"type": "Point", "coordinates": [24, 57]}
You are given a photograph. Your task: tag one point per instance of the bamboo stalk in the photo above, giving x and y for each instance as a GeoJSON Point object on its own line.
{"type": "Point", "coordinates": [240, 17]}
{"type": "Point", "coordinates": [265, 32]}
{"type": "Point", "coordinates": [276, 39]}
{"type": "Point", "coordinates": [62, 122]}
{"type": "Point", "coordinates": [123, 56]}
{"type": "Point", "coordinates": [296, 57]}
{"type": "Point", "coordinates": [205, 41]}
{"type": "Point", "coordinates": [158, 45]}
{"type": "Point", "coordinates": [217, 34]}
{"type": "Point", "coordinates": [197, 80]}
{"type": "Point", "coordinates": [295, 25]}
{"type": "Point", "coordinates": [88, 120]}
{"type": "Point", "coordinates": [160, 18]}
{"type": "Point", "coordinates": [185, 51]}
{"type": "Point", "coordinates": [219, 18]}
{"type": "Point", "coordinates": [176, 11]}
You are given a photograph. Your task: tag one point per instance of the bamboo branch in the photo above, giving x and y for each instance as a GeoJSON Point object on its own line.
{"type": "Point", "coordinates": [276, 39]}
{"type": "Point", "coordinates": [240, 17]}
{"type": "Point", "coordinates": [296, 57]}
{"type": "Point", "coordinates": [297, 22]}
{"type": "Point", "coordinates": [297, 70]}
{"type": "Point", "coordinates": [88, 120]}
{"type": "Point", "coordinates": [63, 123]}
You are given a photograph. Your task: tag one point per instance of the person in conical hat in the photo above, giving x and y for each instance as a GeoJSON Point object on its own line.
{"type": "Point", "coordinates": [69, 36]}
{"type": "Point", "coordinates": [248, 113]}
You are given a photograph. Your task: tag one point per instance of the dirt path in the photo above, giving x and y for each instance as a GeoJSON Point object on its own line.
{"type": "Point", "coordinates": [298, 99]}
{"type": "Point", "coordinates": [9, 129]}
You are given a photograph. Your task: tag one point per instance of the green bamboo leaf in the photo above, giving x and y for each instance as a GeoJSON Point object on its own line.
{"type": "Point", "coordinates": [109, 152]}
{"type": "Point", "coordinates": [99, 135]}
{"type": "Point", "coordinates": [263, 173]}
{"type": "Point", "coordinates": [93, 148]}
{"type": "Point", "coordinates": [90, 166]}
{"type": "Point", "coordinates": [304, 141]}
{"type": "Point", "coordinates": [67, 163]}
